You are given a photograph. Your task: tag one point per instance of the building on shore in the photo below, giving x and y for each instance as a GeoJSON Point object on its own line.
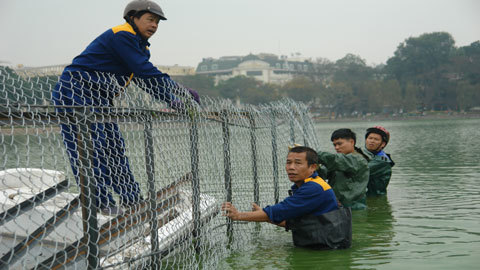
{"type": "Point", "coordinates": [268, 68]}
{"type": "Point", "coordinates": [264, 67]}
{"type": "Point", "coordinates": [177, 70]}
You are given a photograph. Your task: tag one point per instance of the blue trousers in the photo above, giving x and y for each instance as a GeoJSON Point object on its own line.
{"type": "Point", "coordinates": [110, 165]}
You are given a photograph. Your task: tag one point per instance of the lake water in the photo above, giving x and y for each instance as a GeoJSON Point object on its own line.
{"type": "Point", "coordinates": [430, 218]}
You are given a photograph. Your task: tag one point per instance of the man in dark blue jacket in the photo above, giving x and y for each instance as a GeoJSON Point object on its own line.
{"type": "Point", "coordinates": [95, 77]}
{"type": "Point", "coordinates": [311, 211]}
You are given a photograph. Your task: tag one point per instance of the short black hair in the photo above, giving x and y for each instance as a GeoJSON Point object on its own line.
{"type": "Point", "coordinates": [344, 133]}
{"type": "Point", "coordinates": [312, 156]}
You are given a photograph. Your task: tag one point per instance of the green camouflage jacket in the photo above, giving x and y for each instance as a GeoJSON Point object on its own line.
{"type": "Point", "coordinates": [380, 173]}
{"type": "Point", "coordinates": [347, 175]}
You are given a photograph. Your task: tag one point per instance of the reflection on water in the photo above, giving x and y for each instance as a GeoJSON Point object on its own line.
{"type": "Point", "coordinates": [373, 233]}
{"type": "Point", "coordinates": [430, 218]}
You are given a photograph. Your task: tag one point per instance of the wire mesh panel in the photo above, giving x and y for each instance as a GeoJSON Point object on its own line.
{"type": "Point", "coordinates": [97, 174]}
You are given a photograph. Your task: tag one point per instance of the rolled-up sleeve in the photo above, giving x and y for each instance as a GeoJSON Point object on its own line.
{"type": "Point", "coordinates": [304, 201]}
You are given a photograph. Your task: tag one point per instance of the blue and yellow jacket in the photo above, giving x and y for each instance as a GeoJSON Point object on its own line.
{"type": "Point", "coordinates": [313, 197]}
{"type": "Point", "coordinates": [120, 52]}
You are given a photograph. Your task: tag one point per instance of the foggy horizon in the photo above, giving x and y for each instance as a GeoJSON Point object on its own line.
{"type": "Point", "coordinates": [42, 35]}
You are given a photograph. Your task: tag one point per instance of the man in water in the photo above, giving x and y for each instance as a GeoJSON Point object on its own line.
{"type": "Point", "coordinates": [380, 163]}
{"type": "Point", "coordinates": [311, 211]}
{"type": "Point", "coordinates": [347, 170]}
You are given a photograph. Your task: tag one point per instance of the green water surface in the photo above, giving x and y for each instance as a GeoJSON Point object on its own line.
{"type": "Point", "coordinates": [430, 218]}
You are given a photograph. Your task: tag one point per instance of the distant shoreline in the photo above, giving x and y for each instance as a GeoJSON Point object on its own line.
{"type": "Point", "coordinates": [427, 116]}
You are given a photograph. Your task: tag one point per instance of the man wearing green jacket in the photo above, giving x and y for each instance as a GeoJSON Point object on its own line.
{"type": "Point", "coordinates": [347, 171]}
{"type": "Point", "coordinates": [380, 163]}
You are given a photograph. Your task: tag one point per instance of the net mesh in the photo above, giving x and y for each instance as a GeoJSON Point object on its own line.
{"type": "Point", "coordinates": [98, 171]}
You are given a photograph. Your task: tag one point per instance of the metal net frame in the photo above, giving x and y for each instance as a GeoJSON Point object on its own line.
{"type": "Point", "coordinates": [162, 173]}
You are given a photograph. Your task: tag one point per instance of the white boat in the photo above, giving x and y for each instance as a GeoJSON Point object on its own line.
{"type": "Point", "coordinates": [28, 239]}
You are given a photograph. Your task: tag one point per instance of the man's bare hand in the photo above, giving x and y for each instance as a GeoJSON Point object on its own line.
{"type": "Point", "coordinates": [230, 210]}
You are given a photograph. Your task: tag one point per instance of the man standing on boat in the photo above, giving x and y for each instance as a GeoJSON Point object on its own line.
{"type": "Point", "coordinates": [347, 171]}
{"type": "Point", "coordinates": [95, 77]}
{"type": "Point", "coordinates": [311, 211]}
{"type": "Point", "coordinates": [380, 163]}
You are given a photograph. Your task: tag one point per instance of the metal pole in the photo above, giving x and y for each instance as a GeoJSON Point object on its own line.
{"type": "Point", "coordinates": [195, 180]}
{"type": "Point", "coordinates": [253, 142]}
{"type": "Point", "coordinates": [292, 130]}
{"type": "Point", "coordinates": [304, 127]}
{"type": "Point", "coordinates": [226, 164]}
{"type": "Point", "coordinates": [274, 156]}
{"type": "Point", "coordinates": [152, 205]}
{"type": "Point", "coordinates": [37, 199]}
{"type": "Point", "coordinates": [88, 192]}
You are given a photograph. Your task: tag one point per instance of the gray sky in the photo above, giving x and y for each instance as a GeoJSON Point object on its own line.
{"type": "Point", "coordinates": [50, 32]}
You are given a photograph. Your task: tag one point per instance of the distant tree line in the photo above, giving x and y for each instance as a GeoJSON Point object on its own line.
{"type": "Point", "coordinates": [426, 73]}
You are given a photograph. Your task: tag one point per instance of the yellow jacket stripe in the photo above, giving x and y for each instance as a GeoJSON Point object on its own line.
{"type": "Point", "coordinates": [319, 181]}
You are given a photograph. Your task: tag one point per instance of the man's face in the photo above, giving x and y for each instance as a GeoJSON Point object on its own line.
{"type": "Point", "coordinates": [147, 24]}
{"type": "Point", "coordinates": [344, 146]}
{"type": "Point", "coordinates": [297, 167]}
{"type": "Point", "coordinates": [374, 142]}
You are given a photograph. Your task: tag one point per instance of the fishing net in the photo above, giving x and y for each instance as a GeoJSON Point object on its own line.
{"type": "Point", "coordinates": [102, 172]}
